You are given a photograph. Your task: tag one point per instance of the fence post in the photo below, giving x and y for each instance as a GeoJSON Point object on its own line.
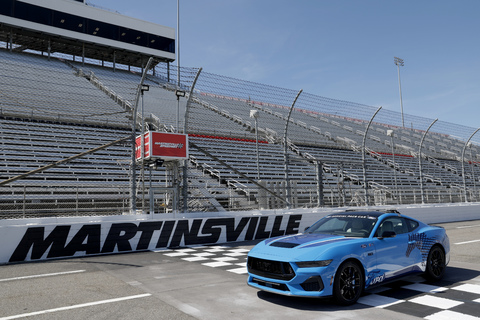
{"type": "Point", "coordinates": [288, 195]}
{"type": "Point", "coordinates": [420, 161]}
{"type": "Point", "coordinates": [133, 175]}
{"type": "Point", "coordinates": [185, 163]}
{"type": "Point", "coordinates": [463, 166]}
{"type": "Point", "coordinates": [363, 156]}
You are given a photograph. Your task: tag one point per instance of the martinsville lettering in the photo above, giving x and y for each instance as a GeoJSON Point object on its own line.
{"type": "Point", "coordinates": [131, 236]}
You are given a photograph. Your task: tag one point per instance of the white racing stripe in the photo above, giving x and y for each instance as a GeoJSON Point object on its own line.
{"type": "Point", "coordinates": [83, 305]}
{"type": "Point", "coordinates": [42, 275]}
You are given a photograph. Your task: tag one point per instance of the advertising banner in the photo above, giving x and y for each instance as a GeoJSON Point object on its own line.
{"type": "Point", "coordinates": [162, 145]}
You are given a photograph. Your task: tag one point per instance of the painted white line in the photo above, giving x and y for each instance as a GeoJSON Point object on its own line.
{"type": "Point", "coordinates": [83, 305]}
{"type": "Point", "coordinates": [437, 302]}
{"type": "Point", "coordinates": [464, 227]}
{"type": "Point", "coordinates": [42, 275]}
{"type": "Point", "coordinates": [449, 315]}
{"type": "Point", "coordinates": [465, 242]}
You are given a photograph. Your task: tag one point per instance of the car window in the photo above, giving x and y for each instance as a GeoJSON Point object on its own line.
{"type": "Point", "coordinates": [348, 225]}
{"type": "Point", "coordinates": [395, 224]}
{"type": "Point", "coordinates": [334, 224]}
{"type": "Point", "coordinates": [411, 224]}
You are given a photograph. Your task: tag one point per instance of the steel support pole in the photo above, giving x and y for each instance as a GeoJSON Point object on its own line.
{"type": "Point", "coordinates": [463, 165]}
{"type": "Point", "coordinates": [364, 165]}
{"type": "Point", "coordinates": [133, 167]}
{"type": "Point", "coordinates": [288, 194]}
{"type": "Point", "coordinates": [399, 62]}
{"type": "Point", "coordinates": [185, 131]}
{"type": "Point", "coordinates": [401, 100]}
{"type": "Point", "coordinates": [422, 191]}
{"type": "Point", "coordinates": [142, 152]}
{"type": "Point", "coordinates": [472, 167]}
{"type": "Point", "coordinates": [178, 65]}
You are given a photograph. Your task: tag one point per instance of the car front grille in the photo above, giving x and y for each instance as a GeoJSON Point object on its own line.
{"type": "Point", "coordinates": [270, 269]}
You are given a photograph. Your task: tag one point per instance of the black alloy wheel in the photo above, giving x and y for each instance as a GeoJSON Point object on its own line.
{"type": "Point", "coordinates": [349, 283]}
{"type": "Point", "coordinates": [435, 264]}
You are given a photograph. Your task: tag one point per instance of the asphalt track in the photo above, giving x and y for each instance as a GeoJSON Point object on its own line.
{"type": "Point", "coordinates": [210, 283]}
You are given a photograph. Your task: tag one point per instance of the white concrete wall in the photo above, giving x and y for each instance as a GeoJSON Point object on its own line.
{"type": "Point", "coordinates": [53, 238]}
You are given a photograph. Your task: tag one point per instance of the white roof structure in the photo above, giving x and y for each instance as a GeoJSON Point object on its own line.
{"type": "Point", "coordinates": [73, 27]}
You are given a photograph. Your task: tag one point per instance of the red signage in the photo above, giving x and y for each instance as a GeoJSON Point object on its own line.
{"type": "Point", "coordinates": [161, 145]}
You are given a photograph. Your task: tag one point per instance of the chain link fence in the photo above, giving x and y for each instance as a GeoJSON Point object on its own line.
{"type": "Point", "coordinates": [243, 155]}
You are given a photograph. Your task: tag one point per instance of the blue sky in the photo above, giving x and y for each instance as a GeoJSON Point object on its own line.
{"type": "Point", "coordinates": [340, 49]}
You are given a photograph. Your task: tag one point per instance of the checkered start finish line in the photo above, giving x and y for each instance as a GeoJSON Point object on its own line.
{"type": "Point", "coordinates": [459, 301]}
{"type": "Point", "coordinates": [215, 256]}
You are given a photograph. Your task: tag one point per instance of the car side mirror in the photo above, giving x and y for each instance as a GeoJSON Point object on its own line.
{"type": "Point", "coordinates": [388, 234]}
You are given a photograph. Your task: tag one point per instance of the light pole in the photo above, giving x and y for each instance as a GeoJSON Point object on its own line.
{"type": "Point", "coordinates": [254, 114]}
{"type": "Point", "coordinates": [399, 62]}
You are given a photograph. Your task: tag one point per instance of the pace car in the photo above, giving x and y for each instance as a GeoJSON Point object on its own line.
{"type": "Point", "coordinates": [343, 254]}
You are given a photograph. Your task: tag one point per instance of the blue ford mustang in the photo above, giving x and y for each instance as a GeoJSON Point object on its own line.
{"type": "Point", "coordinates": [345, 253]}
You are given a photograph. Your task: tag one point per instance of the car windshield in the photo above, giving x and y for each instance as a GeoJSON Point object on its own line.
{"type": "Point", "coordinates": [348, 225]}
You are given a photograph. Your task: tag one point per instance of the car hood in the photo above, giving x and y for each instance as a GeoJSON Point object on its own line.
{"type": "Point", "coordinates": [301, 247]}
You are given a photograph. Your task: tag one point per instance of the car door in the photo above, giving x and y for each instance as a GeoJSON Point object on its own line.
{"type": "Point", "coordinates": [392, 253]}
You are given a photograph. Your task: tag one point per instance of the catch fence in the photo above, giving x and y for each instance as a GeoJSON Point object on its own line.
{"type": "Point", "coordinates": [251, 145]}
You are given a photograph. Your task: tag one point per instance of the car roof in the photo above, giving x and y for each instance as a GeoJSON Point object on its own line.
{"type": "Point", "coordinates": [371, 213]}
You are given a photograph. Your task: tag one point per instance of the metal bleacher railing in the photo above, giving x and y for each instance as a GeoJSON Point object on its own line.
{"type": "Point", "coordinates": [53, 108]}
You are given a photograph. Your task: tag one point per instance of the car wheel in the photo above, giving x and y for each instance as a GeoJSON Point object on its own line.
{"type": "Point", "coordinates": [435, 264]}
{"type": "Point", "coordinates": [349, 283]}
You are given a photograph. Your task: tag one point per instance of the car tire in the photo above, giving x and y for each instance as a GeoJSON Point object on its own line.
{"type": "Point", "coordinates": [436, 264]}
{"type": "Point", "coordinates": [349, 283]}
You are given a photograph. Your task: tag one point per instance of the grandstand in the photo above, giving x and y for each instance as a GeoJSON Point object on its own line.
{"type": "Point", "coordinates": [73, 102]}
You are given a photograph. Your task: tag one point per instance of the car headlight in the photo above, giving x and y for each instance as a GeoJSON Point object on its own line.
{"type": "Point", "coordinates": [313, 264]}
